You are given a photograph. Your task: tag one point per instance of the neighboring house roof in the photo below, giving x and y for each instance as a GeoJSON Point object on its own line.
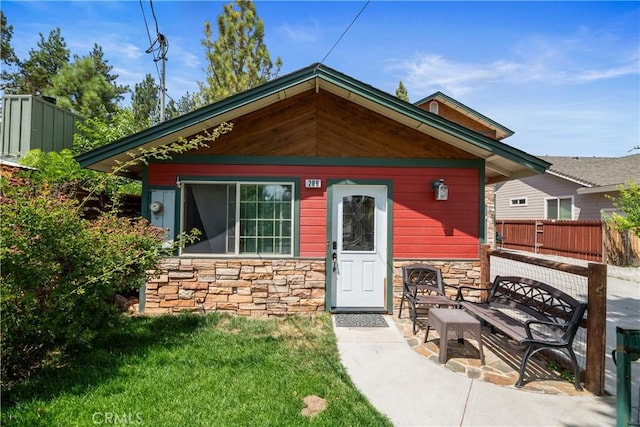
{"type": "Point", "coordinates": [502, 162]}
{"type": "Point", "coordinates": [596, 174]}
{"type": "Point", "coordinates": [12, 164]}
{"type": "Point", "coordinates": [501, 131]}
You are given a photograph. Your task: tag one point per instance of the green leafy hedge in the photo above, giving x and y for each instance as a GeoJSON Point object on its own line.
{"type": "Point", "coordinates": [59, 272]}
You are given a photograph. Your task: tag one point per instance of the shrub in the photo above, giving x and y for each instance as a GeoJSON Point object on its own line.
{"type": "Point", "coordinates": [59, 272]}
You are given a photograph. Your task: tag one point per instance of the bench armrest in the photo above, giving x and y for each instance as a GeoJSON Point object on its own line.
{"type": "Point", "coordinates": [528, 323]}
{"type": "Point", "coordinates": [459, 296]}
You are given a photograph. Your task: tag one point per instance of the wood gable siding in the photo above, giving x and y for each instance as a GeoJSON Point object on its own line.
{"type": "Point", "coordinates": [322, 125]}
{"type": "Point", "coordinates": [325, 125]}
{"type": "Point", "coordinates": [462, 119]}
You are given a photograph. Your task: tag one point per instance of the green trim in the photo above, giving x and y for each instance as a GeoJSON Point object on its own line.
{"type": "Point", "coordinates": [390, 208]}
{"type": "Point", "coordinates": [328, 291]}
{"type": "Point", "coordinates": [305, 75]}
{"type": "Point", "coordinates": [326, 161]}
{"type": "Point", "coordinates": [295, 181]}
{"type": "Point", "coordinates": [482, 209]}
{"type": "Point", "coordinates": [329, 234]}
{"type": "Point", "coordinates": [144, 199]}
{"type": "Point", "coordinates": [144, 212]}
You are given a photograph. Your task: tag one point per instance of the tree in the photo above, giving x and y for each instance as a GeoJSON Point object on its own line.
{"type": "Point", "coordinates": [628, 202]}
{"type": "Point", "coordinates": [37, 72]}
{"type": "Point", "coordinates": [97, 131]}
{"type": "Point", "coordinates": [238, 58]}
{"type": "Point", "coordinates": [144, 101]}
{"type": "Point", "coordinates": [186, 104]}
{"type": "Point", "coordinates": [7, 54]}
{"type": "Point", "coordinates": [401, 92]}
{"type": "Point", "coordinates": [82, 88]}
{"type": "Point", "coordinates": [103, 67]}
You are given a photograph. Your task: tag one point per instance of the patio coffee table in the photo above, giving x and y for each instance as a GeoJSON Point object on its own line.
{"type": "Point", "coordinates": [446, 321]}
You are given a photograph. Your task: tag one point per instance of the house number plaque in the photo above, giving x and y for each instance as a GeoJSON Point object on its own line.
{"type": "Point", "coordinates": [313, 183]}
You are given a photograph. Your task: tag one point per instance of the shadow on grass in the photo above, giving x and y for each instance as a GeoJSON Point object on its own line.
{"type": "Point", "coordinates": [132, 337]}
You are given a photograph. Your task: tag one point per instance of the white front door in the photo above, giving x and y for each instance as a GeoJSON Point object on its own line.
{"type": "Point", "coordinates": [359, 247]}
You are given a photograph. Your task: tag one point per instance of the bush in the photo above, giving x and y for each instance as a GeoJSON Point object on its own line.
{"type": "Point", "coordinates": [60, 271]}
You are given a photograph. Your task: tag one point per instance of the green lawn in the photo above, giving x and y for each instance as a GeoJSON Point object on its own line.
{"type": "Point", "coordinates": [191, 370]}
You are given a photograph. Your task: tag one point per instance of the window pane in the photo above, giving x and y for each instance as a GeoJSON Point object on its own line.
{"type": "Point", "coordinates": [552, 209]}
{"type": "Point", "coordinates": [265, 228]}
{"type": "Point", "coordinates": [248, 210]}
{"type": "Point", "coordinates": [248, 245]}
{"type": "Point", "coordinates": [565, 209]}
{"type": "Point", "coordinates": [267, 218]}
{"type": "Point", "coordinates": [358, 223]}
{"type": "Point", "coordinates": [206, 209]}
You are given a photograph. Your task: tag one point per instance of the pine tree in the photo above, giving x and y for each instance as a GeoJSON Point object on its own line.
{"type": "Point", "coordinates": [144, 101]}
{"type": "Point", "coordinates": [238, 58]}
{"type": "Point", "coordinates": [7, 54]}
{"type": "Point", "coordinates": [36, 73]}
{"type": "Point", "coordinates": [103, 67]}
{"type": "Point", "coordinates": [83, 89]}
{"type": "Point", "coordinates": [185, 104]}
{"type": "Point", "coordinates": [401, 92]}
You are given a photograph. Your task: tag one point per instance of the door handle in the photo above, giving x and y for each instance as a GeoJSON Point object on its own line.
{"type": "Point", "coordinates": [334, 260]}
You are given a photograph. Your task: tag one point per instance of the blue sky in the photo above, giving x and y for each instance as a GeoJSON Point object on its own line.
{"type": "Point", "coordinates": [564, 76]}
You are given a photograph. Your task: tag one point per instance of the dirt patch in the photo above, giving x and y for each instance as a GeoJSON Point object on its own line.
{"type": "Point", "coordinates": [315, 405]}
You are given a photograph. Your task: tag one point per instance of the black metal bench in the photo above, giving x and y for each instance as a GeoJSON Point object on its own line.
{"type": "Point", "coordinates": [552, 317]}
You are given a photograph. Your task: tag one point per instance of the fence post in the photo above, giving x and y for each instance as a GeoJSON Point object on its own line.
{"type": "Point", "coordinates": [596, 328]}
{"type": "Point", "coordinates": [485, 270]}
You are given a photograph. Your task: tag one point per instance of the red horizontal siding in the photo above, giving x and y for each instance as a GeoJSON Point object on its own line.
{"type": "Point", "coordinates": [423, 228]}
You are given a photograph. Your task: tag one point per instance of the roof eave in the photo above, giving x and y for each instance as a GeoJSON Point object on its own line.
{"type": "Point", "coordinates": [317, 76]}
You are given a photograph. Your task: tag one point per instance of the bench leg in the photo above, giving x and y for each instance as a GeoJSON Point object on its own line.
{"type": "Point", "coordinates": [525, 359]}
{"type": "Point", "coordinates": [400, 311]}
{"type": "Point", "coordinates": [576, 369]}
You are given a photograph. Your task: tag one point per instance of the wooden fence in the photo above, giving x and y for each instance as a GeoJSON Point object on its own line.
{"type": "Point", "coordinates": [591, 240]}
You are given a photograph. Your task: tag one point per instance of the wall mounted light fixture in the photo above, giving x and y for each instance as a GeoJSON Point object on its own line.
{"type": "Point", "coordinates": [440, 188]}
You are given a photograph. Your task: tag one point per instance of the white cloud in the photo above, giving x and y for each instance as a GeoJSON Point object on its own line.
{"type": "Point", "coordinates": [424, 73]}
{"type": "Point", "coordinates": [300, 33]}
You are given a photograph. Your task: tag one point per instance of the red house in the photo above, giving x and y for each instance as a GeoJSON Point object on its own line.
{"type": "Point", "coordinates": [324, 188]}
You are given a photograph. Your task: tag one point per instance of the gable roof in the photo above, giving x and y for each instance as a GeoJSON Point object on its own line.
{"type": "Point", "coordinates": [502, 162]}
{"type": "Point", "coordinates": [596, 174]}
{"type": "Point", "coordinates": [501, 131]}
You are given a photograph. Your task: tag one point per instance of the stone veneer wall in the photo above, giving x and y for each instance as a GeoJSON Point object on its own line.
{"type": "Point", "coordinates": [454, 273]}
{"type": "Point", "coordinates": [265, 288]}
{"type": "Point", "coordinates": [256, 288]}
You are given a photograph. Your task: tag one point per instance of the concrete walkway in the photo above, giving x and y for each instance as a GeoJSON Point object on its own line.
{"type": "Point", "coordinates": [413, 391]}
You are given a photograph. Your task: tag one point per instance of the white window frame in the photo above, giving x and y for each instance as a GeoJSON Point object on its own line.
{"type": "Point", "coordinates": [513, 202]}
{"type": "Point", "coordinates": [236, 252]}
{"type": "Point", "coordinates": [546, 213]}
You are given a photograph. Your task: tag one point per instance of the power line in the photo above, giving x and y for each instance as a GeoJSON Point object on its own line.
{"type": "Point", "coordinates": [345, 31]}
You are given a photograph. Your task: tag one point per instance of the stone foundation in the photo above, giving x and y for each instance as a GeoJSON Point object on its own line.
{"type": "Point", "coordinates": [454, 273]}
{"type": "Point", "coordinates": [256, 288]}
{"type": "Point", "coordinates": [265, 288]}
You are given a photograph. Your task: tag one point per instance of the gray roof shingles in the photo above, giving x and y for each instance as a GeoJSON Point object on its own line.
{"type": "Point", "coordinates": [597, 171]}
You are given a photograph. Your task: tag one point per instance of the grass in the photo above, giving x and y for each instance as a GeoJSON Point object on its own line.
{"type": "Point", "coordinates": [190, 370]}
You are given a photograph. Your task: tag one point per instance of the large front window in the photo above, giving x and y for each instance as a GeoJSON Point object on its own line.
{"type": "Point", "coordinates": [239, 218]}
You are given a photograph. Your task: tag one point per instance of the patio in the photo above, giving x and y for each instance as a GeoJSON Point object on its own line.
{"type": "Point", "coordinates": [502, 360]}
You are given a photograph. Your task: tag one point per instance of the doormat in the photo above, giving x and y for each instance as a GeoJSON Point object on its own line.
{"type": "Point", "coordinates": [358, 320]}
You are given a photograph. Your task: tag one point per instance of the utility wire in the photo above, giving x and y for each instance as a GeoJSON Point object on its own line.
{"type": "Point", "coordinates": [153, 12]}
{"type": "Point", "coordinates": [345, 31]}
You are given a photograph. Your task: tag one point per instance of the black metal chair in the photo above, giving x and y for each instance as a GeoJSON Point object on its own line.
{"type": "Point", "coordinates": [422, 284]}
